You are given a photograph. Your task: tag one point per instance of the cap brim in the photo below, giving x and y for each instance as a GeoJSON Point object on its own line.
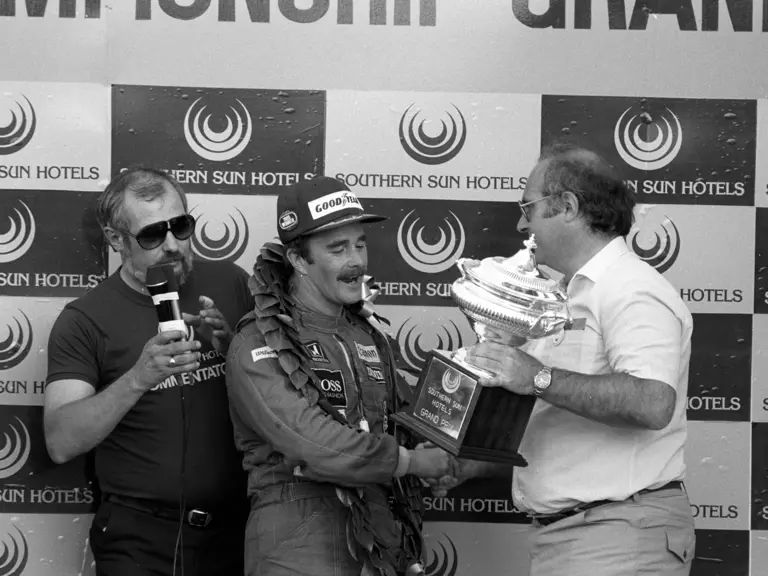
{"type": "Point", "coordinates": [356, 218]}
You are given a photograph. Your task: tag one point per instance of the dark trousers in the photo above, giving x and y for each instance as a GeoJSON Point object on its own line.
{"type": "Point", "coordinates": [129, 542]}
{"type": "Point", "coordinates": [298, 529]}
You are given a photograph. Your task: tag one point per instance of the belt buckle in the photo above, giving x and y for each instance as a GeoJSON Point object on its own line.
{"type": "Point", "coordinates": [198, 518]}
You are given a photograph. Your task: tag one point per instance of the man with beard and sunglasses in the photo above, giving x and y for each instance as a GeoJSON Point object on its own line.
{"type": "Point", "coordinates": [312, 383]}
{"type": "Point", "coordinates": [152, 406]}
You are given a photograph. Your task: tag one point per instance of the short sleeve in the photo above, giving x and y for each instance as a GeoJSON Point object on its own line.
{"type": "Point", "coordinates": [73, 349]}
{"type": "Point", "coordinates": [642, 333]}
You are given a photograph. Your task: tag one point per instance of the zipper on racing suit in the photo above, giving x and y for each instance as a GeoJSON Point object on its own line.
{"type": "Point", "coordinates": [363, 425]}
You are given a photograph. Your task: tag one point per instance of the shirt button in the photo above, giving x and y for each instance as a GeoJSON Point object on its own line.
{"type": "Point", "coordinates": [557, 338]}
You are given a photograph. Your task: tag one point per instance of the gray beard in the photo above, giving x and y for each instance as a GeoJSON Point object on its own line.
{"type": "Point", "coordinates": [187, 265]}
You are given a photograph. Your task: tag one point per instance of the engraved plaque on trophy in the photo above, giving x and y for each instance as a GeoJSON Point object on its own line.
{"type": "Point", "coordinates": [507, 300]}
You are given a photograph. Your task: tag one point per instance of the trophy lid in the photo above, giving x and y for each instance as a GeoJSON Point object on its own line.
{"type": "Point", "coordinates": [511, 294]}
{"type": "Point", "coordinates": [511, 276]}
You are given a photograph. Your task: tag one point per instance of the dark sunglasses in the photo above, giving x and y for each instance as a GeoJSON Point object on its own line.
{"type": "Point", "coordinates": [152, 236]}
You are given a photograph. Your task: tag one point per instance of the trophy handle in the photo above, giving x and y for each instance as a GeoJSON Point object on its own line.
{"type": "Point", "coordinates": [461, 267]}
{"type": "Point", "coordinates": [548, 317]}
{"type": "Point", "coordinates": [461, 264]}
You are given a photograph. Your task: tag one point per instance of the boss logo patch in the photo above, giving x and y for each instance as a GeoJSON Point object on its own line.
{"type": "Point", "coordinates": [375, 372]}
{"type": "Point", "coordinates": [332, 385]}
{"type": "Point", "coordinates": [316, 353]}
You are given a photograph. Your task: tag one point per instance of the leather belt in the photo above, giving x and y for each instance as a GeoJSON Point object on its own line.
{"type": "Point", "coordinates": [195, 517]}
{"type": "Point", "coordinates": [552, 518]}
{"type": "Point", "coordinates": [290, 491]}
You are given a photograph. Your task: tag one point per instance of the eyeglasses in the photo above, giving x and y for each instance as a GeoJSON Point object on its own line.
{"type": "Point", "coordinates": [524, 204]}
{"type": "Point", "coordinates": [152, 236]}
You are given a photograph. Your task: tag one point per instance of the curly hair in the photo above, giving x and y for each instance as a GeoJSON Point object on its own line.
{"type": "Point", "coordinates": [605, 201]}
{"type": "Point", "coordinates": [299, 245]}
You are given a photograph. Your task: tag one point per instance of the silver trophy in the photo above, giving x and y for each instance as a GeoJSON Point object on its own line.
{"type": "Point", "coordinates": [507, 300]}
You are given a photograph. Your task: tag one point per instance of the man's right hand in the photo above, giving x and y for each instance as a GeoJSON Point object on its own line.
{"type": "Point", "coordinates": [462, 471]}
{"type": "Point", "coordinates": [165, 355]}
{"type": "Point", "coordinates": [430, 462]}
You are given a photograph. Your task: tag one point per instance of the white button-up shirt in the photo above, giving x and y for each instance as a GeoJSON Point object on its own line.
{"type": "Point", "coordinates": [628, 319]}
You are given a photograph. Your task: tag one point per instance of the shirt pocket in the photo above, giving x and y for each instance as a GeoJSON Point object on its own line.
{"type": "Point", "coordinates": [579, 350]}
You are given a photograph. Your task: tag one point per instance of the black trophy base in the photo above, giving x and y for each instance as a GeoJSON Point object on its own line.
{"type": "Point", "coordinates": [461, 451]}
{"type": "Point", "coordinates": [453, 411]}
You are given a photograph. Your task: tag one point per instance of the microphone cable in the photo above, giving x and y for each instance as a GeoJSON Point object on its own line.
{"type": "Point", "coordinates": [162, 286]}
{"type": "Point", "coordinates": [178, 552]}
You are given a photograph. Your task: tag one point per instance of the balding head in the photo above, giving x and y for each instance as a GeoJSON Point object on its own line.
{"type": "Point", "coordinates": [605, 201]}
{"type": "Point", "coordinates": [144, 183]}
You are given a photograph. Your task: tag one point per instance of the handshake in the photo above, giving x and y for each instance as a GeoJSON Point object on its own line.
{"type": "Point", "coordinates": [440, 470]}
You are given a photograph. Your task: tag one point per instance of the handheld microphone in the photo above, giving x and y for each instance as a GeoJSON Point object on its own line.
{"type": "Point", "coordinates": [162, 286]}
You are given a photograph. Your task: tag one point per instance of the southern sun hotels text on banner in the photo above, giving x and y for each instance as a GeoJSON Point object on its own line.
{"type": "Point", "coordinates": [25, 324]}
{"type": "Point", "coordinates": [34, 221]}
{"type": "Point", "coordinates": [672, 239]}
{"type": "Point", "coordinates": [53, 136]}
{"type": "Point", "coordinates": [670, 150]}
{"type": "Point", "coordinates": [229, 141]}
{"type": "Point", "coordinates": [432, 145]}
{"type": "Point", "coordinates": [29, 480]}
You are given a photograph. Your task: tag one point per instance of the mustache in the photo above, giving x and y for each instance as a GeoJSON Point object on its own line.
{"type": "Point", "coordinates": [351, 274]}
{"type": "Point", "coordinates": [177, 257]}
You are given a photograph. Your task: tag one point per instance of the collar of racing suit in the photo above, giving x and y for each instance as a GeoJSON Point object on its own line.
{"type": "Point", "coordinates": [321, 322]}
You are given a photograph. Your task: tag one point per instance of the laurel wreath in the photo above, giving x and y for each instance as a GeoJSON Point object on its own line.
{"type": "Point", "coordinates": [268, 285]}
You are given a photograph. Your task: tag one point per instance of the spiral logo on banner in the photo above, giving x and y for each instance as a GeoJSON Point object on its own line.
{"type": "Point", "coordinates": [17, 344]}
{"type": "Point", "coordinates": [409, 337]}
{"type": "Point", "coordinates": [430, 258]}
{"type": "Point", "coordinates": [16, 239]}
{"type": "Point", "coordinates": [648, 143]}
{"type": "Point", "coordinates": [443, 562]}
{"type": "Point", "coordinates": [217, 146]}
{"type": "Point", "coordinates": [19, 131]}
{"type": "Point", "coordinates": [15, 450]}
{"type": "Point", "coordinates": [13, 559]}
{"type": "Point", "coordinates": [664, 251]}
{"type": "Point", "coordinates": [230, 242]}
{"type": "Point", "coordinates": [432, 150]}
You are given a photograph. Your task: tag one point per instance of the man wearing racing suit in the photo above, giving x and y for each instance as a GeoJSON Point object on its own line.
{"type": "Point", "coordinates": [312, 385]}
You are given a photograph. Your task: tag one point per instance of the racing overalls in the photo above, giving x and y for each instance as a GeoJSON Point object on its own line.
{"type": "Point", "coordinates": [297, 455]}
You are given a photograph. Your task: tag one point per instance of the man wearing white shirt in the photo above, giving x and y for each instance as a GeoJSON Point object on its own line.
{"type": "Point", "coordinates": [605, 441]}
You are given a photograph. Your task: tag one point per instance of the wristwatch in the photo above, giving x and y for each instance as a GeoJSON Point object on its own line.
{"type": "Point", "coordinates": [542, 380]}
